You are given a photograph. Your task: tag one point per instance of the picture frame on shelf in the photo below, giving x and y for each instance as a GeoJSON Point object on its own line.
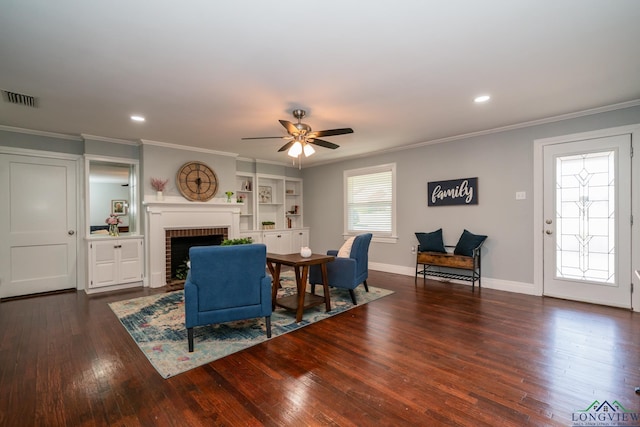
{"type": "Point", "coordinates": [118, 207]}
{"type": "Point", "coordinates": [264, 194]}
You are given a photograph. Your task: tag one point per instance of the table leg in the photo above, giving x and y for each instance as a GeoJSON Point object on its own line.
{"type": "Point", "coordinates": [325, 287]}
{"type": "Point", "coordinates": [275, 275]}
{"type": "Point", "coordinates": [300, 283]}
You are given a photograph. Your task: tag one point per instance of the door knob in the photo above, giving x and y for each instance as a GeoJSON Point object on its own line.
{"type": "Point", "coordinates": [71, 232]}
{"type": "Point", "coordinates": [548, 231]}
{"type": "Point", "coordinates": [548, 221]}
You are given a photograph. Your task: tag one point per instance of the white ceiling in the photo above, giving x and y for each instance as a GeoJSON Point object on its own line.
{"type": "Point", "coordinates": [207, 73]}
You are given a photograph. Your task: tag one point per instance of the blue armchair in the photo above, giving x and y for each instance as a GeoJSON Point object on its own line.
{"type": "Point", "coordinates": [226, 283]}
{"type": "Point", "coordinates": [346, 273]}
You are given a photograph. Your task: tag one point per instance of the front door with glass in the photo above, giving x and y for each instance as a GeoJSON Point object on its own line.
{"type": "Point", "coordinates": [587, 220]}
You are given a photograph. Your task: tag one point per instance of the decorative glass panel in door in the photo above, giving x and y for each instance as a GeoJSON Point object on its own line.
{"type": "Point", "coordinates": [587, 211]}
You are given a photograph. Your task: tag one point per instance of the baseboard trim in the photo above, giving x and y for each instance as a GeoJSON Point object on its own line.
{"type": "Point", "coordinates": [487, 282]}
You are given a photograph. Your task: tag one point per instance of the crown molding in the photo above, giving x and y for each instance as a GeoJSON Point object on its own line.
{"type": "Point", "coordinates": [107, 139]}
{"type": "Point", "coordinates": [187, 148]}
{"type": "Point", "coordinates": [40, 133]}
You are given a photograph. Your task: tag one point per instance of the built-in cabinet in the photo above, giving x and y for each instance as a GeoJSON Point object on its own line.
{"type": "Point", "coordinates": [271, 211]}
{"type": "Point", "coordinates": [115, 261]}
{"type": "Point", "coordinates": [285, 241]}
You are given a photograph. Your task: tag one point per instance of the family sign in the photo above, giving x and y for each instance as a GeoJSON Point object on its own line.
{"type": "Point", "coordinates": [462, 191]}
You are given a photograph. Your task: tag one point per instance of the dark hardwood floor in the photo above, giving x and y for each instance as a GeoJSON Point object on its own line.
{"type": "Point", "coordinates": [427, 355]}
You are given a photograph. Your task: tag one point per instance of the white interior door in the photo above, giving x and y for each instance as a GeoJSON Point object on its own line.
{"type": "Point", "coordinates": [38, 225]}
{"type": "Point", "coordinates": [587, 220]}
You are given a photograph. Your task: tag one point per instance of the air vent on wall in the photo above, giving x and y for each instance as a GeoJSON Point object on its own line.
{"type": "Point", "coordinates": [20, 99]}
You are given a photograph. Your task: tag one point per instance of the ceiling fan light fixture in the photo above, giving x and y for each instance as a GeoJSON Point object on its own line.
{"type": "Point", "coordinates": [308, 150]}
{"type": "Point", "coordinates": [295, 150]}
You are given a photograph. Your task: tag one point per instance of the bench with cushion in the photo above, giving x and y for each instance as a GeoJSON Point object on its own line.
{"type": "Point", "coordinates": [433, 258]}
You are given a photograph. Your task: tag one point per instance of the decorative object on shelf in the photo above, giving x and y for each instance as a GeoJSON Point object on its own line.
{"type": "Point", "coordinates": [305, 251]}
{"type": "Point", "coordinates": [118, 207]}
{"type": "Point", "coordinates": [240, 198]}
{"type": "Point", "coordinates": [289, 191]}
{"type": "Point", "coordinates": [159, 185]}
{"type": "Point", "coordinates": [246, 185]}
{"type": "Point", "coordinates": [197, 182]}
{"type": "Point", "coordinates": [229, 194]}
{"type": "Point", "coordinates": [264, 192]}
{"type": "Point", "coordinates": [268, 225]}
{"type": "Point", "coordinates": [113, 222]}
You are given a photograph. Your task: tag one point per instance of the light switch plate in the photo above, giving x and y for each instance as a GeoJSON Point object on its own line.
{"type": "Point", "coordinates": [521, 195]}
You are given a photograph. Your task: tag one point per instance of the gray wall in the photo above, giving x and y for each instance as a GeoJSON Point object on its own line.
{"type": "Point", "coordinates": [503, 163]}
{"type": "Point", "coordinates": [71, 145]}
{"type": "Point", "coordinates": [163, 163]}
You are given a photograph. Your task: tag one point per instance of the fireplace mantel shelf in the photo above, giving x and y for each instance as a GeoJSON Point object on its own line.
{"type": "Point", "coordinates": [194, 204]}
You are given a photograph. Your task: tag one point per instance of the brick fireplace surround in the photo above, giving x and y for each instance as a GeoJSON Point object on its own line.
{"type": "Point", "coordinates": [177, 218]}
{"type": "Point", "coordinates": [187, 232]}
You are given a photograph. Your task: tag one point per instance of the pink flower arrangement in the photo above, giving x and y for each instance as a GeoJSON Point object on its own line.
{"type": "Point", "coordinates": [113, 220]}
{"type": "Point", "coordinates": [159, 184]}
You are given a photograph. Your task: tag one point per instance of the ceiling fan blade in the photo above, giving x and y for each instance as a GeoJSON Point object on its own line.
{"type": "Point", "coordinates": [331, 132]}
{"type": "Point", "coordinates": [323, 143]}
{"type": "Point", "coordinates": [265, 137]}
{"type": "Point", "coordinates": [290, 127]}
{"type": "Point", "coordinates": [286, 146]}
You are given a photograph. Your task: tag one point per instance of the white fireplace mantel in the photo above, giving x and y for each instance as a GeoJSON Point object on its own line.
{"type": "Point", "coordinates": [161, 216]}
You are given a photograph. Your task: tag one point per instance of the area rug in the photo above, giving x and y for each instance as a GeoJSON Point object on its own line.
{"type": "Point", "coordinates": [156, 324]}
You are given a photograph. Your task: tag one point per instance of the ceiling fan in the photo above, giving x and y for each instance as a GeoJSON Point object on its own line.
{"type": "Point", "coordinates": [301, 135]}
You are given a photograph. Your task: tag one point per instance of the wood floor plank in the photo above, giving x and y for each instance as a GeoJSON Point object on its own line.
{"type": "Point", "coordinates": [432, 354]}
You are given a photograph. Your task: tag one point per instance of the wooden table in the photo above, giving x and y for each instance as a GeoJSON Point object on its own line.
{"type": "Point", "coordinates": [300, 265]}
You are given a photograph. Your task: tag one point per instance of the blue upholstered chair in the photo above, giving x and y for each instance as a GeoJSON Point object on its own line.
{"type": "Point", "coordinates": [226, 283]}
{"type": "Point", "coordinates": [346, 273]}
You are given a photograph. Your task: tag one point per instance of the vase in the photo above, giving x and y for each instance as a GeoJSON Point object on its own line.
{"type": "Point", "coordinates": [305, 251]}
{"type": "Point", "coordinates": [159, 196]}
{"type": "Point", "coordinates": [113, 230]}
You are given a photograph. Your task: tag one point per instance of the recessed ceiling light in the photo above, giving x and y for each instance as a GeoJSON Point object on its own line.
{"type": "Point", "coordinates": [137, 118]}
{"type": "Point", "coordinates": [481, 99]}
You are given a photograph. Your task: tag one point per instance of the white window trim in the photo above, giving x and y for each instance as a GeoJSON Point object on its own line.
{"type": "Point", "coordinates": [393, 237]}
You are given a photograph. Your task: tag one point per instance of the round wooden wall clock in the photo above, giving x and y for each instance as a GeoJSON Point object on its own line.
{"type": "Point", "coordinates": [197, 181]}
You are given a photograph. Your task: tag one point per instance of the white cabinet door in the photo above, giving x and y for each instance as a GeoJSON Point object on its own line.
{"type": "Point", "coordinates": [130, 261]}
{"type": "Point", "coordinates": [278, 242]}
{"type": "Point", "coordinates": [103, 270]}
{"type": "Point", "coordinates": [299, 238]}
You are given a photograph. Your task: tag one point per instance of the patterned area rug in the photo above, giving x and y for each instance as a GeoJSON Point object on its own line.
{"type": "Point", "coordinates": [156, 324]}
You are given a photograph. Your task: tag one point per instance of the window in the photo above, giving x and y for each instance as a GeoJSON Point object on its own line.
{"type": "Point", "coordinates": [370, 201]}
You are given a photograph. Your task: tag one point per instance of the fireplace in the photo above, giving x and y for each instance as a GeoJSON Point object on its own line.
{"type": "Point", "coordinates": [178, 242]}
{"type": "Point", "coordinates": [180, 219]}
